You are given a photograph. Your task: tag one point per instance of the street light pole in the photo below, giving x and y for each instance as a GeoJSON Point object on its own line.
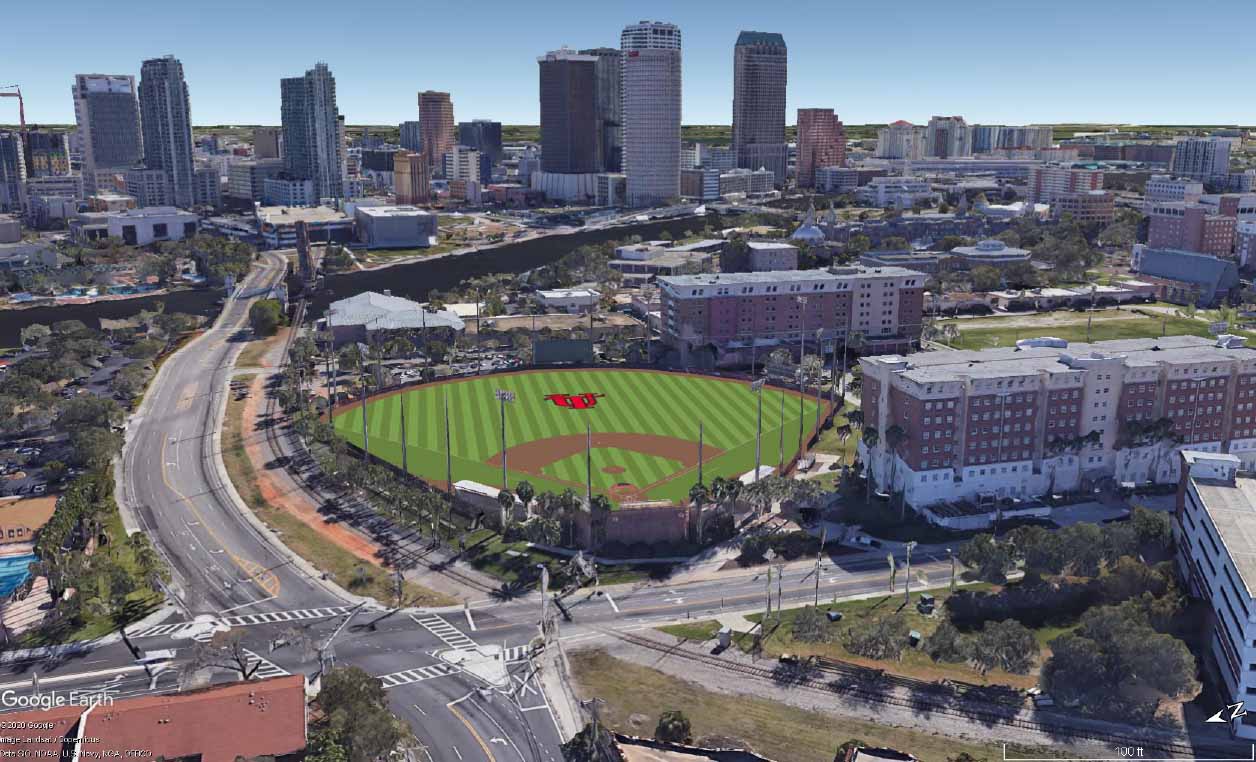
{"type": "Point", "coordinates": [756, 387]}
{"type": "Point", "coordinates": [504, 396]}
{"type": "Point", "coordinates": [951, 553]}
{"type": "Point", "coordinates": [907, 586]}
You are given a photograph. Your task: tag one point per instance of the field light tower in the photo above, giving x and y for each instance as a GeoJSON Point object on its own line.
{"type": "Point", "coordinates": [756, 387]}
{"type": "Point", "coordinates": [504, 396]}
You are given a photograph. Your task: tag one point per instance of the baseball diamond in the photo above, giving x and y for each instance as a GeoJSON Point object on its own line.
{"type": "Point", "coordinates": [644, 429]}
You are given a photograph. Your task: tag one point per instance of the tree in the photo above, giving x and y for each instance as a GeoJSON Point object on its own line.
{"type": "Point", "coordinates": [947, 643]}
{"type": "Point", "coordinates": [883, 639]}
{"type": "Point", "coordinates": [895, 435]}
{"type": "Point", "coordinates": [325, 746]}
{"type": "Point", "coordinates": [356, 708]}
{"type": "Point", "coordinates": [93, 448]}
{"type": "Point", "coordinates": [673, 727]}
{"type": "Point", "coordinates": [990, 558]}
{"type": "Point", "coordinates": [1083, 544]}
{"type": "Point", "coordinates": [1007, 645]}
{"type": "Point", "coordinates": [985, 278]}
{"type": "Point", "coordinates": [34, 334]}
{"type": "Point", "coordinates": [265, 317]}
{"type": "Point", "coordinates": [507, 502]}
{"type": "Point", "coordinates": [810, 626]}
{"type": "Point", "coordinates": [225, 650]}
{"type": "Point", "coordinates": [1022, 275]}
{"type": "Point", "coordinates": [525, 492]}
{"type": "Point", "coordinates": [1152, 527]}
{"type": "Point", "coordinates": [593, 743]}
{"type": "Point", "coordinates": [1041, 549]}
{"type": "Point", "coordinates": [89, 411]}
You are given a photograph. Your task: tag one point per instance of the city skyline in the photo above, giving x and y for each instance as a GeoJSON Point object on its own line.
{"type": "Point", "coordinates": [852, 72]}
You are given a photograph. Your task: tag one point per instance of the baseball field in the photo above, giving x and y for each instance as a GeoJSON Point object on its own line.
{"type": "Point", "coordinates": [644, 427]}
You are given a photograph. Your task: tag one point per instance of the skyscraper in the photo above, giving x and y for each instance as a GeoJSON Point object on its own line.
{"type": "Point", "coordinates": [313, 141]}
{"type": "Point", "coordinates": [948, 137]}
{"type": "Point", "coordinates": [821, 143]}
{"type": "Point", "coordinates": [483, 135]}
{"type": "Point", "coordinates": [570, 142]}
{"type": "Point", "coordinates": [12, 172]}
{"type": "Point", "coordinates": [166, 117]}
{"type": "Point", "coordinates": [108, 118]}
{"type": "Point", "coordinates": [760, 67]}
{"type": "Point", "coordinates": [436, 125]}
{"type": "Point", "coordinates": [267, 143]}
{"type": "Point", "coordinates": [411, 178]}
{"type": "Point", "coordinates": [1201, 157]}
{"type": "Point", "coordinates": [651, 111]}
{"type": "Point", "coordinates": [47, 153]}
{"type": "Point", "coordinates": [411, 139]}
{"type": "Point", "coordinates": [608, 100]}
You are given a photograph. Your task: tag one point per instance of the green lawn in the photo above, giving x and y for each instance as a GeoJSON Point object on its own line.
{"type": "Point", "coordinates": [986, 333]}
{"type": "Point", "coordinates": [633, 402]}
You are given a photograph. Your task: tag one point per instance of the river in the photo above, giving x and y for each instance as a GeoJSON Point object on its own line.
{"type": "Point", "coordinates": [412, 280]}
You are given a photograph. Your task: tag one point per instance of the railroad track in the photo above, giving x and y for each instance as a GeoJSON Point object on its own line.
{"type": "Point", "coordinates": [872, 686]}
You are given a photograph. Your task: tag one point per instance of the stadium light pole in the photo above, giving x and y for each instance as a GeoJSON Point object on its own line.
{"type": "Point", "coordinates": [366, 436]}
{"type": "Point", "coordinates": [756, 388]}
{"type": "Point", "coordinates": [700, 431]}
{"type": "Point", "coordinates": [588, 464]}
{"type": "Point", "coordinates": [449, 458]}
{"type": "Point", "coordinates": [405, 443]}
{"type": "Point", "coordinates": [504, 396]}
{"type": "Point", "coordinates": [780, 446]}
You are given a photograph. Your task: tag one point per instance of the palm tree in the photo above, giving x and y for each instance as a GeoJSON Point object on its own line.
{"type": "Point", "coordinates": [599, 509]}
{"type": "Point", "coordinates": [525, 492]}
{"type": "Point", "coordinates": [895, 435]}
{"type": "Point", "coordinates": [569, 504]}
{"type": "Point", "coordinates": [698, 495]}
{"type": "Point", "coordinates": [506, 501]}
{"type": "Point", "coordinates": [870, 439]}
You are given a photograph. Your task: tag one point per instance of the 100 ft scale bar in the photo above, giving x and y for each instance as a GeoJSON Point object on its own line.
{"type": "Point", "coordinates": [1131, 752]}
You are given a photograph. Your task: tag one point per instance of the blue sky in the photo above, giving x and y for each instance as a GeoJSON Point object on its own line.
{"type": "Point", "coordinates": [994, 62]}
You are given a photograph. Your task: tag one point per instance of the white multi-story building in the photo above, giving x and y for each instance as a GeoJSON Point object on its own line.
{"type": "Point", "coordinates": [1201, 157]}
{"type": "Point", "coordinates": [150, 187]}
{"type": "Point", "coordinates": [899, 192]}
{"type": "Point", "coordinates": [140, 227]}
{"type": "Point", "coordinates": [463, 163]}
{"type": "Point", "coordinates": [288, 191]}
{"type": "Point", "coordinates": [901, 140]}
{"type": "Point", "coordinates": [1213, 528]}
{"type": "Point", "coordinates": [1170, 188]}
{"type": "Point", "coordinates": [947, 137]}
{"type": "Point", "coordinates": [651, 112]}
{"type": "Point", "coordinates": [837, 179]}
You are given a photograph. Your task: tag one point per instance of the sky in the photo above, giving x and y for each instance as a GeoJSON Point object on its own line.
{"type": "Point", "coordinates": [1122, 61]}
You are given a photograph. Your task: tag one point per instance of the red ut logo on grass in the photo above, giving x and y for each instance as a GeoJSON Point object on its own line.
{"type": "Point", "coordinates": [574, 401]}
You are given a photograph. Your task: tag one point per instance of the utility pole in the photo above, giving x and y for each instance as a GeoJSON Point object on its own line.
{"type": "Point", "coordinates": [366, 436]}
{"type": "Point", "coordinates": [1090, 314]}
{"type": "Point", "coordinates": [588, 464]}
{"type": "Point", "coordinates": [951, 553]}
{"type": "Point", "coordinates": [824, 537]}
{"type": "Point", "coordinates": [756, 387]}
{"type": "Point", "coordinates": [449, 458]}
{"type": "Point", "coordinates": [907, 585]}
{"type": "Point", "coordinates": [504, 396]}
{"type": "Point", "coordinates": [767, 613]}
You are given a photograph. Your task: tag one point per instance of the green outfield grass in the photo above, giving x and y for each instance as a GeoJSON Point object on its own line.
{"type": "Point", "coordinates": [633, 402]}
{"type": "Point", "coordinates": [984, 333]}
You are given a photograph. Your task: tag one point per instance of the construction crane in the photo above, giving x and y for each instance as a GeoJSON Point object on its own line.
{"type": "Point", "coordinates": [21, 105]}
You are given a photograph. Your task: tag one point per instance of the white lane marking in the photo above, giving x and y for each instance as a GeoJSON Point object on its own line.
{"type": "Point", "coordinates": [470, 621]}
{"type": "Point", "coordinates": [79, 676]}
{"type": "Point", "coordinates": [420, 710]}
{"type": "Point", "coordinates": [611, 601]}
{"type": "Point", "coordinates": [455, 748]}
{"type": "Point", "coordinates": [250, 603]}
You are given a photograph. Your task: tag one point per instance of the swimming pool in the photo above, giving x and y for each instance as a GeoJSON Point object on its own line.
{"type": "Point", "coordinates": [13, 572]}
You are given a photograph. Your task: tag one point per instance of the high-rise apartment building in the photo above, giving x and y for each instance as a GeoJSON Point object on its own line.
{"type": "Point", "coordinates": [947, 137]}
{"type": "Point", "coordinates": [901, 140]}
{"type": "Point", "coordinates": [12, 172]}
{"type": "Point", "coordinates": [760, 73]}
{"type": "Point", "coordinates": [1201, 158]}
{"type": "Point", "coordinates": [166, 120]}
{"type": "Point", "coordinates": [1045, 183]}
{"type": "Point", "coordinates": [651, 111]}
{"type": "Point", "coordinates": [821, 143]}
{"type": "Point", "coordinates": [464, 163]}
{"type": "Point", "coordinates": [570, 143]}
{"type": "Point", "coordinates": [1169, 188]}
{"type": "Point", "coordinates": [313, 134]}
{"type": "Point", "coordinates": [267, 143]}
{"type": "Point", "coordinates": [436, 125]}
{"type": "Point", "coordinates": [246, 179]}
{"type": "Point", "coordinates": [47, 153]}
{"type": "Point", "coordinates": [107, 114]}
{"type": "Point", "coordinates": [1047, 417]}
{"type": "Point", "coordinates": [993, 137]}
{"type": "Point", "coordinates": [609, 104]}
{"type": "Point", "coordinates": [411, 136]}
{"type": "Point", "coordinates": [411, 178]}
{"type": "Point", "coordinates": [484, 135]}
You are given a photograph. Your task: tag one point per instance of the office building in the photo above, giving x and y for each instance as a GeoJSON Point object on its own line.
{"type": "Point", "coordinates": [267, 143]}
{"type": "Point", "coordinates": [47, 153]}
{"type": "Point", "coordinates": [1084, 207]}
{"type": "Point", "coordinates": [1048, 416]}
{"type": "Point", "coordinates": [901, 140]}
{"type": "Point", "coordinates": [988, 138]}
{"type": "Point", "coordinates": [768, 256]}
{"type": "Point", "coordinates": [1201, 158]}
{"type": "Point", "coordinates": [836, 179]}
{"type": "Point", "coordinates": [411, 136]}
{"type": "Point", "coordinates": [313, 133]}
{"type": "Point", "coordinates": [107, 114]}
{"type": "Point", "coordinates": [245, 179]}
{"type": "Point", "coordinates": [52, 197]}
{"type": "Point", "coordinates": [1046, 182]}
{"type": "Point", "coordinates": [722, 158]}
{"type": "Point", "coordinates": [651, 111]}
{"type": "Point", "coordinates": [411, 178]}
{"type": "Point", "coordinates": [149, 187]}
{"type": "Point", "coordinates": [612, 189]}
{"type": "Point", "coordinates": [700, 184]}
{"type": "Point", "coordinates": [1212, 529]}
{"type": "Point", "coordinates": [436, 126]}
{"type": "Point", "coordinates": [463, 163]}
{"type": "Point", "coordinates": [286, 191]}
{"type": "Point", "coordinates": [483, 135]}
{"type": "Point", "coordinates": [166, 121]}
{"type": "Point", "coordinates": [12, 172]}
{"type": "Point", "coordinates": [1170, 188]}
{"type": "Point", "coordinates": [740, 313]}
{"type": "Point", "coordinates": [277, 225]}
{"type": "Point", "coordinates": [570, 143]}
{"type": "Point", "coordinates": [137, 227]}
{"type": "Point", "coordinates": [1241, 206]}
{"type": "Point", "coordinates": [821, 143]}
{"type": "Point", "coordinates": [1189, 227]}
{"type": "Point", "coordinates": [395, 227]}
{"type": "Point", "coordinates": [948, 137]}
{"type": "Point", "coordinates": [896, 192]}
{"type": "Point", "coordinates": [746, 182]}
{"type": "Point", "coordinates": [207, 187]}
{"type": "Point", "coordinates": [760, 73]}
{"type": "Point", "coordinates": [608, 102]}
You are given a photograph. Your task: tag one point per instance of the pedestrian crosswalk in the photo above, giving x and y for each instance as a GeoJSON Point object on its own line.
{"type": "Point", "coordinates": [516, 653]}
{"type": "Point", "coordinates": [244, 620]}
{"type": "Point", "coordinates": [408, 676]}
{"type": "Point", "coordinates": [265, 667]}
{"type": "Point", "coordinates": [448, 634]}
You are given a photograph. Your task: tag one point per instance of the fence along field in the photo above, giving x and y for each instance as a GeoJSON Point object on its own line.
{"type": "Point", "coordinates": [644, 430]}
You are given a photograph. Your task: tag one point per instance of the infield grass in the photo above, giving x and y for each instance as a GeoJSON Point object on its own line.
{"type": "Point", "coordinates": [633, 402]}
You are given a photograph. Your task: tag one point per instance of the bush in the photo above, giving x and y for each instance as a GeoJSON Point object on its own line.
{"type": "Point", "coordinates": [673, 727]}
{"type": "Point", "coordinates": [882, 639]}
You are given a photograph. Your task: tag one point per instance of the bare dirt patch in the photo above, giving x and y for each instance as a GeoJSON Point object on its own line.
{"type": "Point", "coordinates": [612, 469]}
{"type": "Point", "coordinates": [535, 455]}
